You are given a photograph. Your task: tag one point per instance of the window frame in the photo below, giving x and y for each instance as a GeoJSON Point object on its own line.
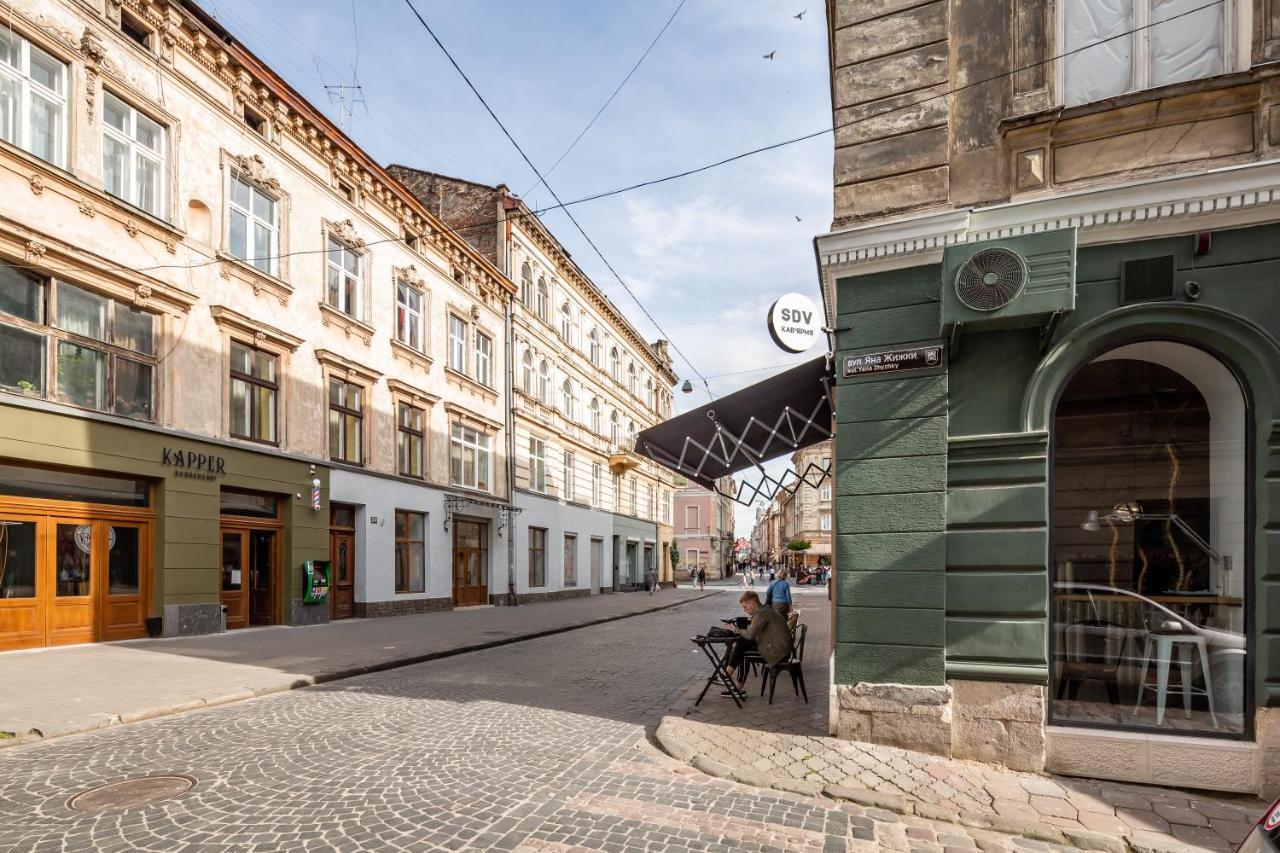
{"type": "Point", "coordinates": [570, 559]}
{"type": "Point", "coordinates": [569, 462]}
{"type": "Point", "coordinates": [21, 76]}
{"type": "Point", "coordinates": [333, 242]}
{"type": "Point", "coordinates": [526, 376]}
{"type": "Point", "coordinates": [408, 433]}
{"type": "Point", "coordinates": [134, 148]}
{"type": "Point", "coordinates": [597, 492]}
{"type": "Point", "coordinates": [346, 412]}
{"type": "Point", "coordinates": [538, 463]}
{"type": "Point", "coordinates": [697, 517]}
{"type": "Point", "coordinates": [544, 300]}
{"type": "Point", "coordinates": [407, 540]}
{"type": "Point", "coordinates": [403, 311]}
{"type": "Point", "coordinates": [457, 344]}
{"type": "Point", "coordinates": [540, 551]}
{"type": "Point", "coordinates": [460, 441]}
{"type": "Point", "coordinates": [254, 381]}
{"type": "Point", "coordinates": [235, 175]}
{"type": "Point", "coordinates": [484, 359]}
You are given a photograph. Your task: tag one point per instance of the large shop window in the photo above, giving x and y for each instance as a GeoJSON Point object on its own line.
{"type": "Point", "coordinates": [1149, 561]}
{"type": "Point", "coordinates": [61, 341]}
{"type": "Point", "coordinates": [1118, 46]}
{"type": "Point", "coordinates": [33, 99]}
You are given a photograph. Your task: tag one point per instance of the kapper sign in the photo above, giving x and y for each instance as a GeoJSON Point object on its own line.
{"type": "Point", "coordinates": [794, 322]}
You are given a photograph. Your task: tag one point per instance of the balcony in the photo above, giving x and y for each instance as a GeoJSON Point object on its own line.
{"type": "Point", "coordinates": [623, 457]}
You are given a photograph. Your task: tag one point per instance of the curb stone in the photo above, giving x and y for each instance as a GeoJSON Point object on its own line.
{"type": "Point", "coordinates": [711, 767]}
{"type": "Point", "coordinates": [128, 717]}
{"type": "Point", "coordinates": [1089, 840]}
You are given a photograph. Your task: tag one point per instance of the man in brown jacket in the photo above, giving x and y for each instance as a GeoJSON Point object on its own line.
{"type": "Point", "coordinates": [767, 635]}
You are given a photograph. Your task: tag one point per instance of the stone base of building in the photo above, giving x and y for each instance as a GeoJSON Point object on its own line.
{"type": "Point", "coordinates": [189, 620]}
{"type": "Point", "coordinates": [401, 607]}
{"type": "Point", "coordinates": [535, 597]}
{"type": "Point", "coordinates": [301, 613]}
{"type": "Point", "coordinates": [1003, 723]}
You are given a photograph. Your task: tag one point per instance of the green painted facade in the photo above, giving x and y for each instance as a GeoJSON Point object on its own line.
{"type": "Point", "coordinates": [187, 548]}
{"type": "Point", "coordinates": [943, 475]}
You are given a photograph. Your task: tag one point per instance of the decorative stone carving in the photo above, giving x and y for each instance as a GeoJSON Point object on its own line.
{"type": "Point", "coordinates": [259, 338]}
{"type": "Point", "coordinates": [37, 183]}
{"type": "Point", "coordinates": [170, 246]}
{"type": "Point", "coordinates": [94, 52]}
{"type": "Point", "coordinates": [35, 250]}
{"type": "Point", "coordinates": [1031, 169]}
{"type": "Point", "coordinates": [131, 227]}
{"type": "Point", "coordinates": [113, 10]}
{"type": "Point", "coordinates": [255, 169]}
{"type": "Point", "coordinates": [409, 275]}
{"type": "Point", "coordinates": [141, 294]}
{"type": "Point", "coordinates": [346, 232]}
{"type": "Point", "coordinates": [224, 270]}
{"type": "Point", "coordinates": [87, 208]}
{"type": "Point", "coordinates": [475, 312]}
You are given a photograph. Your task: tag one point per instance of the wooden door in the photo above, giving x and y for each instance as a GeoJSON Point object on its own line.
{"type": "Point", "coordinates": [470, 562]}
{"type": "Point", "coordinates": [262, 577]}
{"type": "Point", "coordinates": [23, 580]}
{"type": "Point", "coordinates": [342, 547]}
{"type": "Point", "coordinates": [70, 615]}
{"type": "Point", "coordinates": [125, 579]}
{"type": "Point", "coordinates": [235, 576]}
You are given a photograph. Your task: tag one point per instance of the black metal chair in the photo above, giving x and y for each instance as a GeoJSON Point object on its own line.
{"type": "Point", "coordinates": [752, 659]}
{"type": "Point", "coordinates": [794, 666]}
{"type": "Point", "coordinates": [1092, 652]}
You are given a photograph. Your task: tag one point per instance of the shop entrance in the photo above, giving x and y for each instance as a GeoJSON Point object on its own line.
{"type": "Point", "coordinates": [470, 562]}
{"type": "Point", "coordinates": [342, 549]}
{"type": "Point", "coordinates": [251, 534]}
{"type": "Point", "coordinates": [72, 571]}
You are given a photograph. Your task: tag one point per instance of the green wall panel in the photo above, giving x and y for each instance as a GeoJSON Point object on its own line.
{"type": "Point", "coordinates": [903, 437]}
{"type": "Point", "coordinates": [879, 664]}
{"type": "Point", "coordinates": [1021, 594]}
{"type": "Point", "coordinates": [890, 589]}
{"type": "Point", "coordinates": [891, 625]}
{"type": "Point", "coordinates": [911, 286]}
{"type": "Point", "coordinates": [911, 397]}
{"type": "Point", "coordinates": [996, 639]}
{"type": "Point", "coordinates": [990, 549]}
{"type": "Point", "coordinates": [891, 474]}
{"type": "Point", "coordinates": [996, 505]}
{"type": "Point", "coordinates": [902, 513]}
{"type": "Point", "coordinates": [888, 326]}
{"type": "Point", "coordinates": [891, 552]}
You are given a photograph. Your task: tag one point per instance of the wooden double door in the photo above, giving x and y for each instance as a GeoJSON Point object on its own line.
{"type": "Point", "coordinates": [250, 575]}
{"type": "Point", "coordinates": [470, 562]}
{"type": "Point", "coordinates": [72, 577]}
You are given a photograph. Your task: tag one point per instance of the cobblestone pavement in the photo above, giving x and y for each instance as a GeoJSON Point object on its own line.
{"type": "Point", "coordinates": [537, 746]}
{"type": "Point", "coordinates": [791, 750]}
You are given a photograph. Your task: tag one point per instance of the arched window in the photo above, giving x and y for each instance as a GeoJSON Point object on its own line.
{"type": "Point", "coordinates": [544, 381]}
{"type": "Point", "coordinates": [650, 398]}
{"type": "Point", "coordinates": [566, 395]}
{"type": "Point", "coordinates": [615, 364]}
{"type": "Point", "coordinates": [615, 429]}
{"type": "Point", "coordinates": [596, 424]}
{"type": "Point", "coordinates": [526, 284]}
{"type": "Point", "coordinates": [527, 373]}
{"type": "Point", "coordinates": [632, 384]}
{"type": "Point", "coordinates": [631, 431]}
{"type": "Point", "coordinates": [594, 346]}
{"type": "Point", "coordinates": [1150, 551]}
{"type": "Point", "coordinates": [566, 322]}
{"type": "Point", "coordinates": [543, 300]}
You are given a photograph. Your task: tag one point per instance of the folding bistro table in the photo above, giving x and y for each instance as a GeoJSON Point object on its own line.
{"type": "Point", "coordinates": [717, 649]}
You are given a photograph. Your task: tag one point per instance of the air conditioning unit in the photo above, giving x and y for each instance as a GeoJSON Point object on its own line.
{"type": "Point", "coordinates": [1016, 283]}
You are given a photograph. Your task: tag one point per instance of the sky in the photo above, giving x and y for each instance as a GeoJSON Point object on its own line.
{"type": "Point", "coordinates": [705, 255]}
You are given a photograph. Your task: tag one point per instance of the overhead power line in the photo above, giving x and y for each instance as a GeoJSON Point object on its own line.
{"type": "Point", "coordinates": [542, 178]}
{"type": "Point", "coordinates": [605, 105]}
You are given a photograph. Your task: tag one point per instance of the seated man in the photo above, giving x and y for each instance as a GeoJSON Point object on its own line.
{"type": "Point", "coordinates": [767, 634]}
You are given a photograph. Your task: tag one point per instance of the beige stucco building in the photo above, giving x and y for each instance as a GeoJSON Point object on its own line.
{"type": "Point", "coordinates": [222, 322]}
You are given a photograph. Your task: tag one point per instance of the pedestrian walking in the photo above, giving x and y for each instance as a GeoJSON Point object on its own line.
{"type": "Point", "coordinates": [651, 580]}
{"type": "Point", "coordinates": [702, 578]}
{"type": "Point", "coordinates": [778, 595]}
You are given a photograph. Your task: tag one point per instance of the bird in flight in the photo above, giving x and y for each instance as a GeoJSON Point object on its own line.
{"type": "Point", "coordinates": [798, 219]}
{"type": "Point", "coordinates": [800, 17]}
{"type": "Point", "coordinates": [770, 54]}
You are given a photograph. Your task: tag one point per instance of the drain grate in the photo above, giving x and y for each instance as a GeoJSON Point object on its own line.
{"type": "Point", "coordinates": [142, 791]}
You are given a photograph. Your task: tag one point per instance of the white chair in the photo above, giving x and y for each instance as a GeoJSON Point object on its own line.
{"type": "Point", "coordinates": [1163, 643]}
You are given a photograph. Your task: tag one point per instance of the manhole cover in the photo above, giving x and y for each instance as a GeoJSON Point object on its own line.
{"type": "Point", "coordinates": [130, 793]}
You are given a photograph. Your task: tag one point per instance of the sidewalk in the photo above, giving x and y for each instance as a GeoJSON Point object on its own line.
{"type": "Point", "coordinates": [944, 803]}
{"type": "Point", "coordinates": [69, 689]}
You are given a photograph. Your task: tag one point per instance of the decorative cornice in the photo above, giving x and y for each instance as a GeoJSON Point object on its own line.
{"type": "Point", "coordinates": [409, 275]}
{"type": "Point", "coordinates": [227, 318]}
{"type": "Point", "coordinates": [467, 416]}
{"type": "Point", "coordinates": [414, 393]}
{"type": "Point", "coordinates": [344, 231]}
{"type": "Point", "coordinates": [330, 316]}
{"type": "Point", "coordinates": [255, 169]}
{"type": "Point", "coordinates": [346, 367]}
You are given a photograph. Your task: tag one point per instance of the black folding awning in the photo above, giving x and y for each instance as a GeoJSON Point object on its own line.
{"type": "Point", "coordinates": [747, 428]}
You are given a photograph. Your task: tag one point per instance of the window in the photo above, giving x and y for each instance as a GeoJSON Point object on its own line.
{"type": "Point", "coordinates": [566, 322]}
{"type": "Point", "coordinates": [566, 398]}
{"type": "Point", "coordinates": [615, 429]}
{"type": "Point", "coordinates": [597, 422]}
{"type": "Point", "coordinates": [411, 551]}
{"type": "Point", "coordinates": [544, 381]}
{"type": "Point", "coordinates": [617, 493]}
{"type": "Point", "coordinates": [570, 559]}
{"type": "Point", "coordinates": [691, 557]}
{"type": "Point", "coordinates": [484, 359]}
{"type": "Point", "coordinates": [132, 156]}
{"type": "Point", "coordinates": [635, 507]}
{"type": "Point", "coordinates": [526, 284]}
{"type": "Point", "coordinates": [526, 377]}
{"type": "Point", "coordinates": [615, 365]}
{"type": "Point", "coordinates": [470, 461]}
{"type": "Point", "coordinates": [410, 315]}
{"type": "Point", "coordinates": [103, 351]}
{"type": "Point", "coordinates": [1139, 44]}
{"type": "Point", "coordinates": [595, 484]}
{"type": "Point", "coordinates": [410, 439]}
{"type": "Point", "coordinates": [570, 481]}
{"type": "Point", "coordinates": [254, 390]}
{"type": "Point", "coordinates": [457, 344]}
{"type": "Point", "coordinates": [593, 347]}
{"type": "Point", "coordinates": [255, 121]}
{"type": "Point", "coordinates": [537, 464]}
{"type": "Point", "coordinates": [346, 416]}
{"type": "Point", "coordinates": [665, 499]}
{"type": "Point", "coordinates": [252, 225]}
{"type": "Point", "coordinates": [651, 500]}
{"type": "Point", "coordinates": [692, 518]}
{"type": "Point", "coordinates": [824, 520]}
{"type": "Point", "coordinates": [134, 30]}
{"type": "Point", "coordinates": [597, 560]}
{"type": "Point", "coordinates": [543, 300]}
{"type": "Point", "coordinates": [343, 278]}
{"type": "Point", "coordinates": [650, 398]}
{"type": "Point", "coordinates": [537, 556]}
{"type": "Point", "coordinates": [824, 493]}
{"type": "Point", "coordinates": [33, 99]}
{"type": "Point", "coordinates": [632, 384]}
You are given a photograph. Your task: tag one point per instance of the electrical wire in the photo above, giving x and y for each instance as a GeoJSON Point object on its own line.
{"type": "Point", "coordinates": [543, 179]}
{"type": "Point", "coordinates": [605, 105]}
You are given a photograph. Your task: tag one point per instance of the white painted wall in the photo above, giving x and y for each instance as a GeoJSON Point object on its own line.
{"type": "Point", "coordinates": [560, 518]}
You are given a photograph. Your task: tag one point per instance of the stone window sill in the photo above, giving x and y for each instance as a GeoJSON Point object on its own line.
{"type": "Point", "coordinates": [330, 316]}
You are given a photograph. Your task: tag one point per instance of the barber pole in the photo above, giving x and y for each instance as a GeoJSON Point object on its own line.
{"type": "Point", "coordinates": [315, 493]}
